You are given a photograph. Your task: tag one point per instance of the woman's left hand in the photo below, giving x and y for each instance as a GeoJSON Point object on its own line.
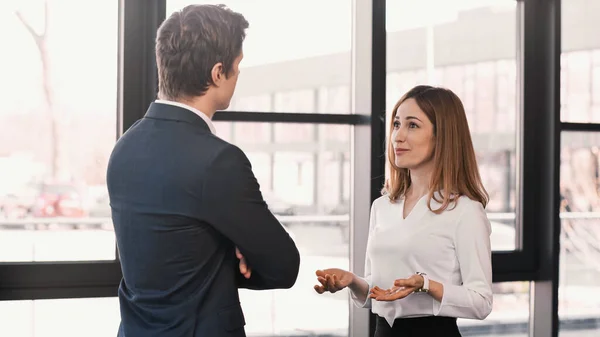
{"type": "Point", "coordinates": [401, 289]}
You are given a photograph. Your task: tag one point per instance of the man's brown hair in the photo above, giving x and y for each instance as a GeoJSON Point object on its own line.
{"type": "Point", "coordinates": [190, 42]}
{"type": "Point", "coordinates": [455, 170]}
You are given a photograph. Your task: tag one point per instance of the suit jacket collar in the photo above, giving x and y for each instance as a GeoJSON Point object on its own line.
{"type": "Point", "coordinates": [175, 113]}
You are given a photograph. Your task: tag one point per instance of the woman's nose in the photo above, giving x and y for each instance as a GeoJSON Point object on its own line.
{"type": "Point", "coordinates": [400, 135]}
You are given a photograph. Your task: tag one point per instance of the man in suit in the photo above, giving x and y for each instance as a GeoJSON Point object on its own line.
{"type": "Point", "coordinates": [189, 217]}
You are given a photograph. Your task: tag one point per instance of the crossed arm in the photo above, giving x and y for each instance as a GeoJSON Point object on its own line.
{"type": "Point", "coordinates": [236, 207]}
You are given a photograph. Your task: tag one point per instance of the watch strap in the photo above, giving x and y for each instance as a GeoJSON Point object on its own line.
{"type": "Point", "coordinates": [425, 287]}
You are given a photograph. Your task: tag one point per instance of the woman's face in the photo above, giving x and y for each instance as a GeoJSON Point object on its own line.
{"type": "Point", "coordinates": [412, 136]}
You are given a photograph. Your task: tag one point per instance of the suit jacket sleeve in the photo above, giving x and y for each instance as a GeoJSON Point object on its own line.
{"type": "Point", "coordinates": [236, 208]}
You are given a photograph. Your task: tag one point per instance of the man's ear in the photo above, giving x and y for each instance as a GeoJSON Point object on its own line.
{"type": "Point", "coordinates": [217, 74]}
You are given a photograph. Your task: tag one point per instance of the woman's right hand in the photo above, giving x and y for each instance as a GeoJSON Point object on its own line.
{"type": "Point", "coordinates": [333, 279]}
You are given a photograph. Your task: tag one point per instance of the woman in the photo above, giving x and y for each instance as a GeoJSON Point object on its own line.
{"type": "Point", "coordinates": [428, 258]}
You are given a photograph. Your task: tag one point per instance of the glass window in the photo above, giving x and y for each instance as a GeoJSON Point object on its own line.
{"type": "Point", "coordinates": [578, 86]}
{"type": "Point", "coordinates": [580, 47]}
{"type": "Point", "coordinates": [564, 77]}
{"type": "Point", "coordinates": [506, 96]}
{"type": "Point", "coordinates": [335, 134]}
{"type": "Point", "coordinates": [579, 286]}
{"type": "Point", "coordinates": [295, 101]}
{"type": "Point", "coordinates": [596, 111]}
{"type": "Point", "coordinates": [485, 98]}
{"type": "Point", "coordinates": [224, 132]}
{"type": "Point", "coordinates": [510, 313]}
{"type": "Point", "coordinates": [92, 317]}
{"type": "Point", "coordinates": [259, 133]}
{"type": "Point", "coordinates": [302, 133]}
{"type": "Point", "coordinates": [306, 184]}
{"type": "Point", "coordinates": [454, 77]}
{"type": "Point", "coordinates": [482, 74]}
{"type": "Point", "coordinates": [57, 129]}
{"type": "Point", "coordinates": [596, 86]}
{"type": "Point", "coordinates": [262, 103]}
{"type": "Point", "coordinates": [468, 97]}
{"type": "Point", "coordinates": [334, 100]}
{"type": "Point", "coordinates": [289, 59]}
{"type": "Point", "coordinates": [397, 83]}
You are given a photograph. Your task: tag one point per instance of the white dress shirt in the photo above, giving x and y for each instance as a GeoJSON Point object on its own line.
{"type": "Point", "coordinates": [452, 248]}
{"type": "Point", "coordinates": [211, 126]}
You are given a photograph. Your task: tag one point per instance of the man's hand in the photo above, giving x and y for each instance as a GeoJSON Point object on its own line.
{"type": "Point", "coordinates": [244, 269]}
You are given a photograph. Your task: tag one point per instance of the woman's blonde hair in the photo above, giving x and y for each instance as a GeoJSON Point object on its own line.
{"type": "Point", "coordinates": [455, 164]}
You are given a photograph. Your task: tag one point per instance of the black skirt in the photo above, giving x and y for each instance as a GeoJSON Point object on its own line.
{"type": "Point", "coordinates": [430, 326]}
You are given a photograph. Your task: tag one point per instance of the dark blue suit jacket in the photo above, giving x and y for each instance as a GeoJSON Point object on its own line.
{"type": "Point", "coordinates": [182, 199]}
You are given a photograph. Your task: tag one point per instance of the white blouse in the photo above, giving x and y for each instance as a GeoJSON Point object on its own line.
{"type": "Point", "coordinates": [452, 248]}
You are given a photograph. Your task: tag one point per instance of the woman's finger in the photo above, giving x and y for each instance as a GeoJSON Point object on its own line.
{"type": "Point", "coordinates": [336, 282]}
{"type": "Point", "coordinates": [331, 284]}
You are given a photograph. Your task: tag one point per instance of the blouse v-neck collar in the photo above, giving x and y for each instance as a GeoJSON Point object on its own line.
{"type": "Point", "coordinates": [416, 211]}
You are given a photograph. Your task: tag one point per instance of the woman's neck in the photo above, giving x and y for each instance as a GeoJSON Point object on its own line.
{"type": "Point", "coordinates": [419, 183]}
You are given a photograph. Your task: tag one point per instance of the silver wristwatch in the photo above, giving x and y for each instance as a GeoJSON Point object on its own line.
{"type": "Point", "coordinates": [425, 287]}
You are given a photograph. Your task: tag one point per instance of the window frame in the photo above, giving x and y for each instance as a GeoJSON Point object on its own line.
{"type": "Point", "coordinates": [89, 279]}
